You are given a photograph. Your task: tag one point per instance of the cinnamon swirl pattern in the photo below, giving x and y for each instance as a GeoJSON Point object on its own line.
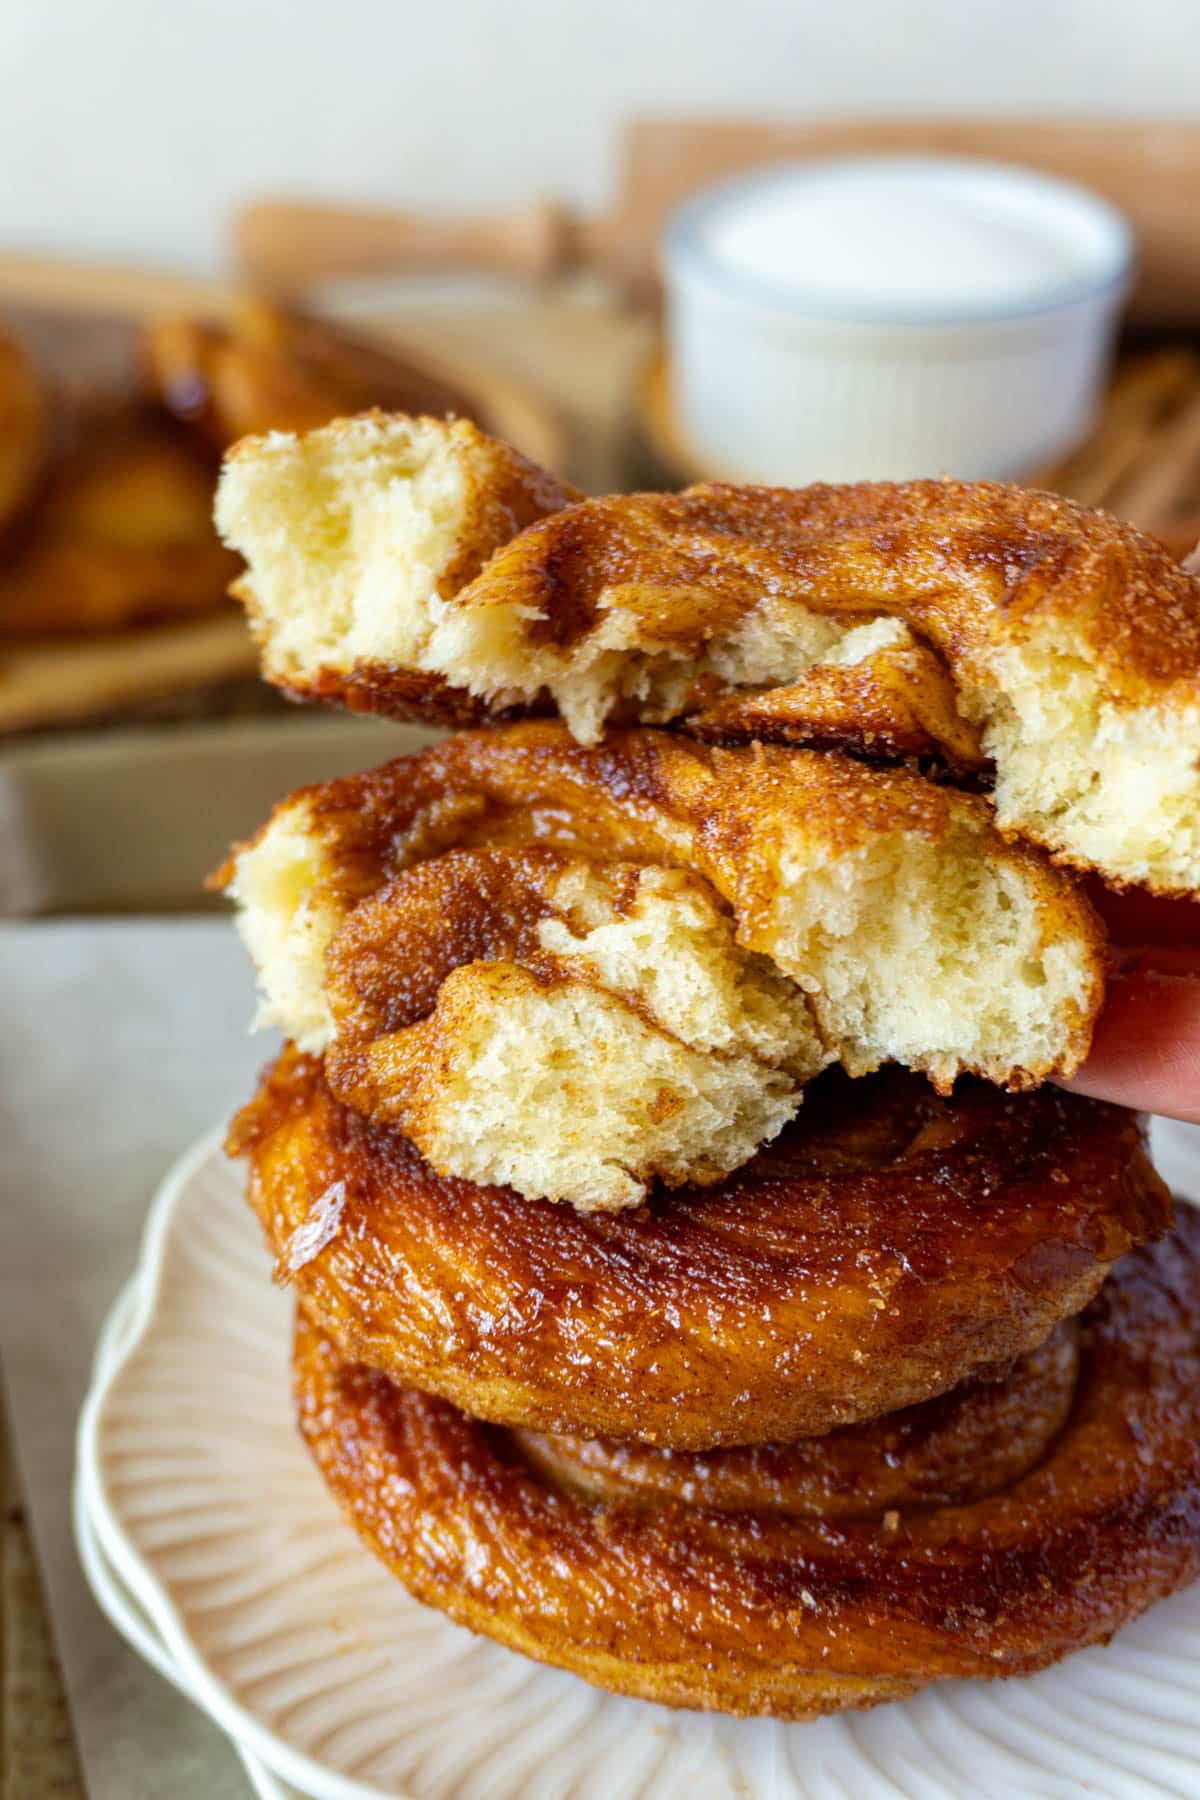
{"type": "Point", "coordinates": [700, 1287]}
{"type": "Point", "coordinates": [985, 627]}
{"type": "Point", "coordinates": [888, 1246]}
{"type": "Point", "coordinates": [806, 1581]}
{"type": "Point", "coordinates": [575, 971]}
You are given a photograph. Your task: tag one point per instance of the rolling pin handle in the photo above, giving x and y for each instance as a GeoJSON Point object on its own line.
{"type": "Point", "coordinates": [285, 246]}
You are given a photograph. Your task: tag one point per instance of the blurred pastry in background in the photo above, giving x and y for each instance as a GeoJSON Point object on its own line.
{"type": "Point", "coordinates": [106, 487]}
{"type": "Point", "coordinates": [121, 535]}
{"type": "Point", "coordinates": [264, 368]}
{"type": "Point", "coordinates": [24, 428]}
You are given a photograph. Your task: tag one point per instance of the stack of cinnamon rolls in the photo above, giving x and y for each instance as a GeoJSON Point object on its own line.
{"type": "Point", "coordinates": [704, 1283]}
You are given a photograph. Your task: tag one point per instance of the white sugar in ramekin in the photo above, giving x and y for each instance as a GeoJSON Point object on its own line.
{"type": "Point", "coordinates": [891, 316]}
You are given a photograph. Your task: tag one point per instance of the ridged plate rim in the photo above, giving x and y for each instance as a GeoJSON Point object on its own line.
{"type": "Point", "coordinates": [902, 1750]}
{"type": "Point", "coordinates": [110, 1593]}
{"type": "Point", "coordinates": [124, 1332]}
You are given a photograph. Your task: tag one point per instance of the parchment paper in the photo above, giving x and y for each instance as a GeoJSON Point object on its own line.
{"type": "Point", "coordinates": [122, 1042]}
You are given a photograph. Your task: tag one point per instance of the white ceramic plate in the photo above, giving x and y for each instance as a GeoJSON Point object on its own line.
{"type": "Point", "coordinates": [125, 1613]}
{"type": "Point", "coordinates": [115, 1599]}
{"type": "Point", "coordinates": [204, 1508]}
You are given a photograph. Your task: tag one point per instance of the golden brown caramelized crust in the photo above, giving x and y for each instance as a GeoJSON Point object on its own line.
{"type": "Point", "coordinates": [912, 929]}
{"type": "Point", "coordinates": [961, 1446]}
{"type": "Point", "coordinates": [884, 694]}
{"type": "Point", "coordinates": [791, 1605]}
{"type": "Point", "coordinates": [964, 563]}
{"type": "Point", "coordinates": [887, 1246]}
{"type": "Point", "coordinates": [969, 621]}
{"type": "Point", "coordinates": [24, 429]}
{"type": "Point", "coordinates": [121, 535]}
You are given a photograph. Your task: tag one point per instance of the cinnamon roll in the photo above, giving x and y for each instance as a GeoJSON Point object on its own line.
{"type": "Point", "coordinates": [980, 625]}
{"type": "Point", "coordinates": [829, 1576]}
{"type": "Point", "coordinates": [889, 1245]}
{"type": "Point", "coordinates": [120, 535]}
{"type": "Point", "coordinates": [24, 429]}
{"type": "Point", "coordinates": [576, 971]}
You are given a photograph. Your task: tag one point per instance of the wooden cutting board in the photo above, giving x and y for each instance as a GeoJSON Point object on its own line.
{"type": "Point", "coordinates": [70, 680]}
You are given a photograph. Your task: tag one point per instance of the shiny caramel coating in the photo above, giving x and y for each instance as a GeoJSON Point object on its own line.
{"type": "Point", "coordinates": [962, 1446]}
{"type": "Point", "coordinates": [769, 1611]}
{"type": "Point", "coordinates": [888, 1245]}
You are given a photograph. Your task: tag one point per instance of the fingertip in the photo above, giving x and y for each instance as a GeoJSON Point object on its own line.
{"type": "Point", "coordinates": [1146, 1047]}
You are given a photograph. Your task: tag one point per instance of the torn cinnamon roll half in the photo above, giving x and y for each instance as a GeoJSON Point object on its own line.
{"type": "Point", "coordinates": [577, 971]}
{"type": "Point", "coordinates": [982, 625]}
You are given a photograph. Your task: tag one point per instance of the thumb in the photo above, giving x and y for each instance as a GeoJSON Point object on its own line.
{"type": "Point", "coordinates": [1146, 1047]}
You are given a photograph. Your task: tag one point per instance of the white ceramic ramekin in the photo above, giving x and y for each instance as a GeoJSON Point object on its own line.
{"type": "Point", "coordinates": [774, 383]}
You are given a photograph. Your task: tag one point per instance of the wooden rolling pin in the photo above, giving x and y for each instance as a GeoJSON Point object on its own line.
{"type": "Point", "coordinates": [1151, 170]}
{"type": "Point", "coordinates": [287, 244]}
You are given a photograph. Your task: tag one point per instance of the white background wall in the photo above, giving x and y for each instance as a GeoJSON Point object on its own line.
{"type": "Point", "coordinates": [128, 127]}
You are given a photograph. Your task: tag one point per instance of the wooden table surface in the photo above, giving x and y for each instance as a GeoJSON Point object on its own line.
{"type": "Point", "coordinates": [584, 356]}
{"type": "Point", "coordinates": [37, 1750]}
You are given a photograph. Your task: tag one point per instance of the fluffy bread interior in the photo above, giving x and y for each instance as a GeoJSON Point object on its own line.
{"type": "Point", "coordinates": [929, 953]}
{"type": "Point", "coordinates": [1116, 786]}
{"type": "Point", "coordinates": [354, 531]}
{"type": "Point", "coordinates": [491, 651]}
{"type": "Point", "coordinates": [669, 949]}
{"type": "Point", "coordinates": [567, 1092]}
{"type": "Point", "coordinates": [668, 1038]}
{"type": "Point", "coordinates": [355, 537]}
{"type": "Point", "coordinates": [282, 885]}
{"type": "Point", "coordinates": [624, 1036]}
{"type": "Point", "coordinates": [359, 535]}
